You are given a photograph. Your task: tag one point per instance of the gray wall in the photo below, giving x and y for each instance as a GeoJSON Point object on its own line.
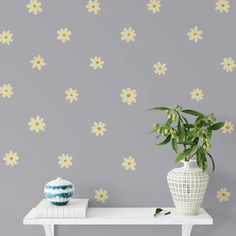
{"type": "Point", "coordinates": [97, 160]}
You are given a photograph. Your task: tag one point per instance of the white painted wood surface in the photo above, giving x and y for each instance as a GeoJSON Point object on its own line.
{"type": "Point", "coordinates": [123, 216]}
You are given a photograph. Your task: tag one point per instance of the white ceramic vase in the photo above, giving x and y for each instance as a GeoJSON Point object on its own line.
{"type": "Point", "coordinates": [187, 185]}
{"type": "Point", "coordinates": [59, 191]}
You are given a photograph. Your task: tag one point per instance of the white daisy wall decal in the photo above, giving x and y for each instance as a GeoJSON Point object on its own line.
{"type": "Point", "coordinates": [228, 64]}
{"type": "Point", "coordinates": [6, 37]}
{"type": "Point", "coordinates": [71, 95]}
{"type": "Point", "coordinates": [223, 195]}
{"type": "Point", "coordinates": [154, 6]}
{"type": "Point", "coordinates": [98, 128]}
{"type": "Point", "coordinates": [63, 35]}
{"type": "Point", "coordinates": [222, 6]}
{"type": "Point", "coordinates": [101, 195]}
{"type": "Point", "coordinates": [228, 127]}
{"type": "Point", "coordinates": [93, 6]}
{"type": "Point", "coordinates": [11, 158]}
{"type": "Point", "coordinates": [6, 91]}
{"type": "Point", "coordinates": [65, 160]}
{"type": "Point", "coordinates": [129, 163]}
{"type": "Point", "coordinates": [160, 68]}
{"type": "Point", "coordinates": [38, 62]}
{"type": "Point", "coordinates": [128, 34]}
{"type": "Point", "coordinates": [195, 34]}
{"type": "Point", "coordinates": [96, 63]}
{"type": "Point", "coordinates": [128, 96]}
{"type": "Point", "coordinates": [36, 124]}
{"type": "Point", "coordinates": [197, 94]}
{"type": "Point", "coordinates": [34, 7]}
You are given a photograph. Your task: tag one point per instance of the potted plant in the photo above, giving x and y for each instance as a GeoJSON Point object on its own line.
{"type": "Point", "coordinates": [189, 132]}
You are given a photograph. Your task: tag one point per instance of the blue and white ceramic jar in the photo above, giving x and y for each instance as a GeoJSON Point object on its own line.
{"type": "Point", "coordinates": [59, 191]}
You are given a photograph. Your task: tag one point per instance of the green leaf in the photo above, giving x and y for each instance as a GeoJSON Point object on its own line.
{"type": "Point", "coordinates": [199, 119]}
{"type": "Point", "coordinates": [174, 145]}
{"type": "Point", "coordinates": [157, 211]}
{"type": "Point", "coordinates": [189, 126]}
{"type": "Point", "coordinates": [212, 161]}
{"type": "Point", "coordinates": [169, 122]}
{"type": "Point", "coordinates": [185, 153]}
{"type": "Point", "coordinates": [186, 143]}
{"type": "Point", "coordinates": [167, 140]}
{"type": "Point", "coordinates": [209, 133]}
{"type": "Point", "coordinates": [181, 130]}
{"type": "Point", "coordinates": [160, 108]}
{"type": "Point", "coordinates": [196, 140]}
{"type": "Point", "coordinates": [192, 134]}
{"type": "Point", "coordinates": [201, 158]}
{"type": "Point", "coordinates": [198, 158]}
{"type": "Point", "coordinates": [217, 126]}
{"type": "Point", "coordinates": [192, 112]}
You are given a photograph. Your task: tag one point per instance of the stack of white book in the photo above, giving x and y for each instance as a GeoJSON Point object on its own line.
{"type": "Point", "coordinates": [76, 208]}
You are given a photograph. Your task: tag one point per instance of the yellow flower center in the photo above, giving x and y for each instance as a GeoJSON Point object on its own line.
{"type": "Point", "coordinates": [129, 163]}
{"type": "Point", "coordinates": [97, 62]}
{"type": "Point", "coordinates": [38, 62]}
{"type": "Point", "coordinates": [37, 123]}
{"type": "Point", "coordinates": [101, 195]}
{"type": "Point", "coordinates": [128, 34]}
{"type": "Point", "coordinates": [194, 33]}
{"type": "Point", "coordinates": [154, 5]}
{"type": "Point", "coordinates": [64, 35]}
{"type": "Point", "coordinates": [128, 95]}
{"type": "Point", "coordinates": [11, 158]}
{"type": "Point", "coordinates": [223, 194]}
{"type": "Point", "coordinates": [93, 6]}
{"type": "Point", "coordinates": [228, 64]}
{"type": "Point", "coordinates": [160, 68]}
{"type": "Point", "coordinates": [5, 36]}
{"type": "Point", "coordinates": [99, 128]}
{"type": "Point", "coordinates": [227, 126]}
{"type": "Point", "coordinates": [222, 5]}
{"type": "Point", "coordinates": [65, 160]}
{"type": "Point", "coordinates": [6, 90]}
{"type": "Point", "coordinates": [34, 6]}
{"type": "Point", "coordinates": [197, 94]}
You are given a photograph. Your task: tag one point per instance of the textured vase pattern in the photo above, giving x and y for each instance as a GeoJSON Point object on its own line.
{"type": "Point", "coordinates": [59, 192]}
{"type": "Point", "coordinates": [188, 186]}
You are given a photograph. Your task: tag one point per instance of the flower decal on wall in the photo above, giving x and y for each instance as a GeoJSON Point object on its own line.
{"type": "Point", "coordinates": [36, 124]}
{"type": "Point", "coordinates": [93, 6]}
{"type": "Point", "coordinates": [228, 127]}
{"type": "Point", "coordinates": [11, 158]}
{"type": "Point", "coordinates": [6, 91]}
{"type": "Point", "coordinates": [228, 64]}
{"type": "Point", "coordinates": [98, 128]}
{"type": "Point", "coordinates": [154, 6]}
{"type": "Point", "coordinates": [197, 94]}
{"type": "Point", "coordinates": [71, 95]}
{"type": "Point", "coordinates": [65, 160]}
{"type": "Point", "coordinates": [128, 96]}
{"type": "Point", "coordinates": [38, 62]}
{"type": "Point", "coordinates": [34, 7]}
{"type": "Point", "coordinates": [222, 6]}
{"type": "Point", "coordinates": [160, 68]}
{"type": "Point", "coordinates": [128, 34]}
{"type": "Point", "coordinates": [63, 35]}
{"type": "Point", "coordinates": [195, 34]}
{"type": "Point", "coordinates": [101, 195]}
{"type": "Point", "coordinates": [129, 163]}
{"type": "Point", "coordinates": [223, 195]}
{"type": "Point", "coordinates": [96, 63]}
{"type": "Point", "coordinates": [6, 37]}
